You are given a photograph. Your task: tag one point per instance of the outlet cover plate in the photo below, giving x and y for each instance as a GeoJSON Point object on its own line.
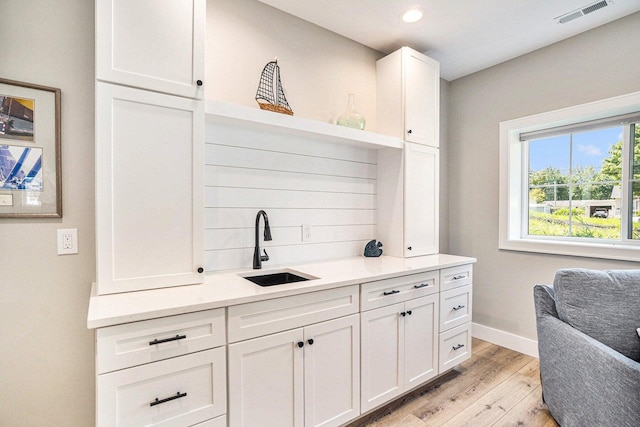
{"type": "Point", "coordinates": [67, 241]}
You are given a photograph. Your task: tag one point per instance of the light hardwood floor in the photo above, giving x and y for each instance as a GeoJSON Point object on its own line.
{"type": "Point", "coordinates": [496, 387]}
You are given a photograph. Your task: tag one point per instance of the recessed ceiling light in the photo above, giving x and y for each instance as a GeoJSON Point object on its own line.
{"type": "Point", "coordinates": [412, 15]}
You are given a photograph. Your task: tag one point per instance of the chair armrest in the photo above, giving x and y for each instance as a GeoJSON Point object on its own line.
{"type": "Point", "coordinates": [585, 382]}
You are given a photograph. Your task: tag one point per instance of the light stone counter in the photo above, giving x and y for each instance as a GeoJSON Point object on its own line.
{"type": "Point", "coordinates": [228, 288]}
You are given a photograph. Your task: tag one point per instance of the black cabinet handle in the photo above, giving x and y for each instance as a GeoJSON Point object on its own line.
{"type": "Point", "coordinates": [168, 399]}
{"type": "Point", "coordinates": [310, 341]}
{"type": "Point", "coordinates": [300, 344]}
{"type": "Point", "coordinates": [404, 313]}
{"type": "Point", "coordinates": [200, 270]}
{"type": "Point", "coordinates": [176, 338]}
{"type": "Point", "coordinates": [459, 307]}
{"type": "Point", "coordinates": [461, 276]}
{"type": "Point", "coordinates": [458, 347]}
{"type": "Point", "coordinates": [421, 285]}
{"type": "Point", "coordinates": [409, 131]}
{"type": "Point", "coordinates": [409, 312]}
{"type": "Point", "coordinates": [409, 248]}
{"type": "Point", "coordinates": [391, 292]}
{"type": "Point", "coordinates": [199, 82]}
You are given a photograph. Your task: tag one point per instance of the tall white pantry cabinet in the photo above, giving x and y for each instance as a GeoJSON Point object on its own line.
{"type": "Point", "coordinates": [408, 105]}
{"type": "Point", "coordinates": [149, 143]}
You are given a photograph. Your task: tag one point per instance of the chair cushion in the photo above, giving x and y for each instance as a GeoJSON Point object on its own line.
{"type": "Point", "coordinates": [602, 304]}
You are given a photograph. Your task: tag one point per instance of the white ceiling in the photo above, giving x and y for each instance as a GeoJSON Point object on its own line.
{"type": "Point", "coordinates": [464, 35]}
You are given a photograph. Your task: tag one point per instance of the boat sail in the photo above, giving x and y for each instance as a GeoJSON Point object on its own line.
{"type": "Point", "coordinates": [270, 95]}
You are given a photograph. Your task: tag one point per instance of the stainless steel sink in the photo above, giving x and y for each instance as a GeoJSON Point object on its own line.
{"type": "Point", "coordinates": [277, 278]}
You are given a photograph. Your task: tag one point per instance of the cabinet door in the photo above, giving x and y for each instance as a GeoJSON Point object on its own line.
{"type": "Point", "coordinates": [152, 44]}
{"type": "Point", "coordinates": [382, 363]}
{"type": "Point", "coordinates": [421, 340]}
{"type": "Point", "coordinates": [149, 189]}
{"type": "Point", "coordinates": [421, 199]}
{"type": "Point", "coordinates": [422, 98]}
{"type": "Point", "coordinates": [332, 372]}
{"type": "Point", "coordinates": [266, 381]}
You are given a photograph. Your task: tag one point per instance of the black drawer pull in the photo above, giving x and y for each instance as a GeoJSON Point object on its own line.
{"type": "Point", "coordinates": [300, 344]}
{"type": "Point", "coordinates": [176, 338]}
{"type": "Point", "coordinates": [168, 399]}
{"type": "Point", "coordinates": [461, 276]}
{"type": "Point", "coordinates": [459, 307]}
{"type": "Point", "coordinates": [390, 292]}
{"type": "Point", "coordinates": [458, 347]}
{"type": "Point", "coordinates": [421, 285]}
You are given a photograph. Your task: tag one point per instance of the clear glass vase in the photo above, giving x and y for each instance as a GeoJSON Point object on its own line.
{"type": "Point", "coordinates": [351, 118]}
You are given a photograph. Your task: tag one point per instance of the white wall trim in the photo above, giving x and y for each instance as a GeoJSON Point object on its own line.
{"type": "Point", "coordinates": [505, 339]}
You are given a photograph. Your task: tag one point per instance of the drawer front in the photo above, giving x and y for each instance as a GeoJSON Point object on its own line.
{"type": "Point", "coordinates": [455, 347]}
{"type": "Point", "coordinates": [221, 421]}
{"type": "Point", "coordinates": [455, 307]}
{"type": "Point", "coordinates": [182, 391]}
{"type": "Point", "coordinates": [398, 289]}
{"type": "Point", "coordinates": [455, 277]}
{"type": "Point", "coordinates": [280, 314]}
{"type": "Point", "coordinates": [137, 343]}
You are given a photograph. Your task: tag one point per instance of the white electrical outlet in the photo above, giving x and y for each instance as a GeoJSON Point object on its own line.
{"type": "Point", "coordinates": [67, 241]}
{"type": "Point", "coordinates": [306, 232]}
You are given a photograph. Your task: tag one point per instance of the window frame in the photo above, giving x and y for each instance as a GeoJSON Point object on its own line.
{"type": "Point", "coordinates": [514, 180]}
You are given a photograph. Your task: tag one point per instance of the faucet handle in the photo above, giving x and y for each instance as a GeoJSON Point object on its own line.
{"type": "Point", "coordinates": [264, 257]}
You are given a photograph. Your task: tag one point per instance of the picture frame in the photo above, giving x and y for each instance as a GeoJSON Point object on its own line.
{"type": "Point", "coordinates": [30, 151]}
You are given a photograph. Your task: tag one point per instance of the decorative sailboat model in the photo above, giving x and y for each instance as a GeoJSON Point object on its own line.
{"type": "Point", "coordinates": [270, 95]}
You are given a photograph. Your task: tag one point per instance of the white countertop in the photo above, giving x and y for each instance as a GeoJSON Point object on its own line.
{"type": "Point", "coordinates": [228, 288]}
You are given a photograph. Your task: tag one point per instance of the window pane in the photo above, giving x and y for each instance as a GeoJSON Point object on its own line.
{"type": "Point", "coordinates": [574, 184]}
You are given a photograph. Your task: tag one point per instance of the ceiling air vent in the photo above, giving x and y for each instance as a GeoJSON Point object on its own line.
{"type": "Point", "coordinates": [585, 10]}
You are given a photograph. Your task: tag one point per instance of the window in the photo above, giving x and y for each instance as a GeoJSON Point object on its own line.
{"type": "Point", "coordinates": [570, 181]}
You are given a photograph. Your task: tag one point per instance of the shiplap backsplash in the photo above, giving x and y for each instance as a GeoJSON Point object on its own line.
{"type": "Point", "coordinates": [296, 181]}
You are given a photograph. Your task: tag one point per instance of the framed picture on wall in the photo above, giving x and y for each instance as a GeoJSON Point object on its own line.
{"type": "Point", "coordinates": [30, 173]}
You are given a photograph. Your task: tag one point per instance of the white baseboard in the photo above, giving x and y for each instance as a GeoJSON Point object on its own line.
{"type": "Point", "coordinates": [505, 339]}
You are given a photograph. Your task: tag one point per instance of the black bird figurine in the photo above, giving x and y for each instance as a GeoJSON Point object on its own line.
{"type": "Point", "coordinates": [372, 249]}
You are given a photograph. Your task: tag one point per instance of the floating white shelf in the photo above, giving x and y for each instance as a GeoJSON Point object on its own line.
{"type": "Point", "coordinates": [221, 112]}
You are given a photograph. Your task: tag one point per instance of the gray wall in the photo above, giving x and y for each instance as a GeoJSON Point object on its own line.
{"type": "Point", "coordinates": [599, 64]}
{"type": "Point", "coordinates": [46, 351]}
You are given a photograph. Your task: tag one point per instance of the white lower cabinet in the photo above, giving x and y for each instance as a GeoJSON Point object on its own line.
{"type": "Point", "coordinates": [399, 349]}
{"type": "Point", "coordinates": [169, 372]}
{"type": "Point", "coordinates": [317, 359]}
{"type": "Point", "coordinates": [456, 298]}
{"type": "Point", "coordinates": [303, 377]}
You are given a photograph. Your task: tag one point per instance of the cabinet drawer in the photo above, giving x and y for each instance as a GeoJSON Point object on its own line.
{"type": "Point", "coordinates": [279, 314]}
{"type": "Point", "coordinates": [131, 344]}
{"type": "Point", "coordinates": [455, 307]}
{"type": "Point", "coordinates": [456, 276]}
{"type": "Point", "coordinates": [398, 289]}
{"type": "Point", "coordinates": [455, 346]}
{"type": "Point", "coordinates": [182, 391]}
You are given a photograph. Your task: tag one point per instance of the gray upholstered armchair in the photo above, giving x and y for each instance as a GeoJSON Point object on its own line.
{"type": "Point", "coordinates": [589, 348]}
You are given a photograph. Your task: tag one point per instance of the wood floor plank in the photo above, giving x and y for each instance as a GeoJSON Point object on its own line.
{"type": "Point", "coordinates": [496, 387]}
{"type": "Point", "coordinates": [478, 376]}
{"type": "Point", "coordinates": [530, 412]}
{"type": "Point", "coordinates": [500, 400]}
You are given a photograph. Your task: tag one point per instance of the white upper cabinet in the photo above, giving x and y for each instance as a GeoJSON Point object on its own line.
{"type": "Point", "coordinates": [152, 44]}
{"type": "Point", "coordinates": [149, 189]}
{"type": "Point", "coordinates": [408, 97]}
